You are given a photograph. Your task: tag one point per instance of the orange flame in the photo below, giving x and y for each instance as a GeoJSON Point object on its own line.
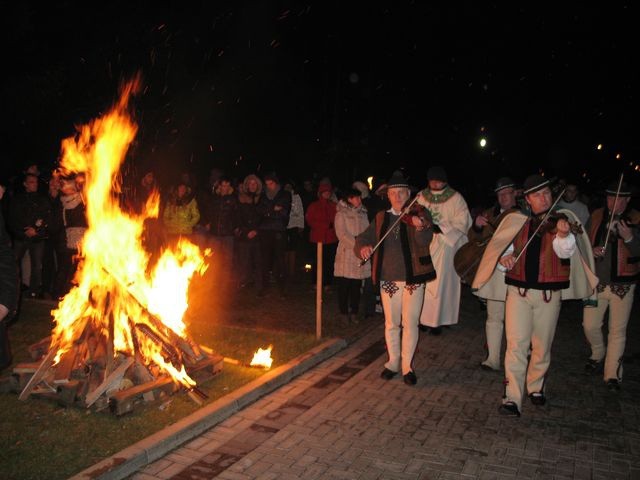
{"type": "Point", "coordinates": [113, 285]}
{"type": "Point", "coordinates": [262, 358]}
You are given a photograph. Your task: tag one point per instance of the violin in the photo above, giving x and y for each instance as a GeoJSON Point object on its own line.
{"type": "Point", "coordinates": [419, 211]}
{"type": "Point", "coordinates": [551, 223]}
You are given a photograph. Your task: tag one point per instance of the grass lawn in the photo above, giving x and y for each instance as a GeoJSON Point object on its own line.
{"type": "Point", "coordinates": [41, 439]}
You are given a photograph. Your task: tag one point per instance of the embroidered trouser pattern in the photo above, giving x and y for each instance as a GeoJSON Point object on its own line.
{"type": "Point", "coordinates": [593, 319]}
{"type": "Point", "coordinates": [531, 319]}
{"type": "Point", "coordinates": [402, 305]}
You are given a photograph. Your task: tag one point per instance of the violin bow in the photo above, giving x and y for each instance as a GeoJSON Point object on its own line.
{"type": "Point", "coordinates": [546, 215]}
{"type": "Point", "coordinates": [612, 213]}
{"type": "Point", "coordinates": [404, 211]}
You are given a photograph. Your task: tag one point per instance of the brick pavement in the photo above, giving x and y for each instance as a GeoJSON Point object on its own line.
{"type": "Point", "coordinates": [340, 420]}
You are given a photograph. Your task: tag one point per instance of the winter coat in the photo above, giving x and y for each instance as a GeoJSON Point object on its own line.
{"type": "Point", "coordinates": [350, 222]}
{"type": "Point", "coordinates": [222, 214]}
{"type": "Point", "coordinates": [181, 215]}
{"type": "Point", "coordinates": [8, 270]}
{"type": "Point", "coordinates": [320, 216]}
{"type": "Point", "coordinates": [248, 217]}
{"type": "Point", "coordinates": [272, 219]}
{"type": "Point", "coordinates": [29, 209]}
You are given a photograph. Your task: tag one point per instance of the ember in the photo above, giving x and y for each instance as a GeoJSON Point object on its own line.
{"type": "Point", "coordinates": [119, 334]}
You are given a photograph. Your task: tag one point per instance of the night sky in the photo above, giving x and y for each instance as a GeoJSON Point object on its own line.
{"type": "Point", "coordinates": [346, 89]}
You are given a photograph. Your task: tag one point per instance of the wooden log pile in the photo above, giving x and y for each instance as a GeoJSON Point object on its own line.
{"type": "Point", "coordinates": [91, 375]}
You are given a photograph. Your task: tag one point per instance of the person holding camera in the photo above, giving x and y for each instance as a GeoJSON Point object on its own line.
{"type": "Point", "coordinates": [29, 214]}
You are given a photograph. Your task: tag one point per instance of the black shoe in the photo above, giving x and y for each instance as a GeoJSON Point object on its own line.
{"type": "Point", "coordinates": [435, 331]}
{"type": "Point", "coordinates": [487, 368]}
{"type": "Point", "coordinates": [410, 378]}
{"type": "Point", "coordinates": [388, 374]}
{"type": "Point", "coordinates": [537, 398]}
{"type": "Point", "coordinates": [423, 328]}
{"type": "Point", "coordinates": [613, 384]}
{"type": "Point", "coordinates": [509, 409]}
{"type": "Point", "coordinates": [593, 367]}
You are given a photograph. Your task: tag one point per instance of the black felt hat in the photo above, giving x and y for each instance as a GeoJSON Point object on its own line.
{"type": "Point", "coordinates": [397, 180]}
{"type": "Point", "coordinates": [533, 183]}
{"type": "Point", "coordinates": [504, 182]}
{"type": "Point", "coordinates": [625, 189]}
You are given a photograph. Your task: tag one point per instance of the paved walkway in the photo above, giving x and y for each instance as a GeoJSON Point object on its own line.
{"type": "Point", "coordinates": [341, 420]}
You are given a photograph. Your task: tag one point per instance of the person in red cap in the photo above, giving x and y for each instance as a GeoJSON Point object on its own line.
{"type": "Point", "coordinates": [321, 216]}
{"type": "Point", "coordinates": [618, 269]}
{"type": "Point", "coordinates": [543, 263]}
{"type": "Point", "coordinates": [452, 219]}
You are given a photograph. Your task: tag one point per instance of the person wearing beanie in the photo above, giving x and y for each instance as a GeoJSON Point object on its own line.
{"type": "Point", "coordinates": [452, 221]}
{"type": "Point", "coordinates": [402, 266]}
{"type": "Point", "coordinates": [482, 229]}
{"type": "Point", "coordinates": [321, 216]}
{"type": "Point", "coordinates": [618, 269]}
{"type": "Point", "coordinates": [542, 264]}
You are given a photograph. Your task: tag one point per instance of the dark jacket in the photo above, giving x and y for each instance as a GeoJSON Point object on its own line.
{"type": "Point", "coordinates": [248, 216]}
{"type": "Point", "coordinates": [272, 219]}
{"type": "Point", "coordinates": [29, 209]}
{"type": "Point", "coordinates": [415, 249]}
{"type": "Point", "coordinates": [220, 214]}
{"type": "Point", "coordinates": [8, 270]}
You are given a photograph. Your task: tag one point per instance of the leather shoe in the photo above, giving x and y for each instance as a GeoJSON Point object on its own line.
{"type": "Point", "coordinates": [435, 330]}
{"type": "Point", "coordinates": [613, 384]}
{"type": "Point", "coordinates": [487, 368]}
{"type": "Point", "coordinates": [410, 378]}
{"type": "Point", "coordinates": [509, 409]}
{"type": "Point", "coordinates": [423, 328]}
{"type": "Point", "coordinates": [593, 367]}
{"type": "Point", "coordinates": [388, 374]}
{"type": "Point", "coordinates": [537, 398]}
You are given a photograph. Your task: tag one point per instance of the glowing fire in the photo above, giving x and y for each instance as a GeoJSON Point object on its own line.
{"type": "Point", "coordinates": [115, 294]}
{"type": "Point", "coordinates": [262, 358]}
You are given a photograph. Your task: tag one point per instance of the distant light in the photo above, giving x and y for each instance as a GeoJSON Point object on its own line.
{"type": "Point", "coordinates": [483, 142]}
{"type": "Point", "coordinates": [631, 164]}
{"type": "Point", "coordinates": [307, 267]}
{"type": "Point", "coordinates": [618, 156]}
{"type": "Point", "coordinates": [584, 175]}
{"type": "Point", "coordinates": [370, 182]}
{"type": "Point", "coordinates": [599, 147]}
{"type": "Point", "coordinates": [637, 168]}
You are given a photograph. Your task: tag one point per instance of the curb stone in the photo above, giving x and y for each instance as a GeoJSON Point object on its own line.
{"type": "Point", "coordinates": [128, 461]}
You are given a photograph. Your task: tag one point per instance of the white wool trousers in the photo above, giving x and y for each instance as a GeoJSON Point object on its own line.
{"type": "Point", "coordinates": [494, 329]}
{"type": "Point", "coordinates": [531, 319]}
{"type": "Point", "coordinates": [593, 319]}
{"type": "Point", "coordinates": [402, 305]}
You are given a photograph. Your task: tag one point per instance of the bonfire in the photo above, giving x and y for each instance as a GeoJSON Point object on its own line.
{"type": "Point", "coordinates": [119, 334]}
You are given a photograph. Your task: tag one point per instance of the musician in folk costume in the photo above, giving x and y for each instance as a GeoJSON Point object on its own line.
{"type": "Point", "coordinates": [613, 231]}
{"type": "Point", "coordinates": [546, 259]}
{"type": "Point", "coordinates": [451, 220]}
{"type": "Point", "coordinates": [483, 228]}
{"type": "Point", "coordinates": [402, 265]}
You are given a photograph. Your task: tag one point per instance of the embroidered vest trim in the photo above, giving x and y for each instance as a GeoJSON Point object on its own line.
{"type": "Point", "coordinates": [624, 268]}
{"type": "Point", "coordinates": [553, 272]}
